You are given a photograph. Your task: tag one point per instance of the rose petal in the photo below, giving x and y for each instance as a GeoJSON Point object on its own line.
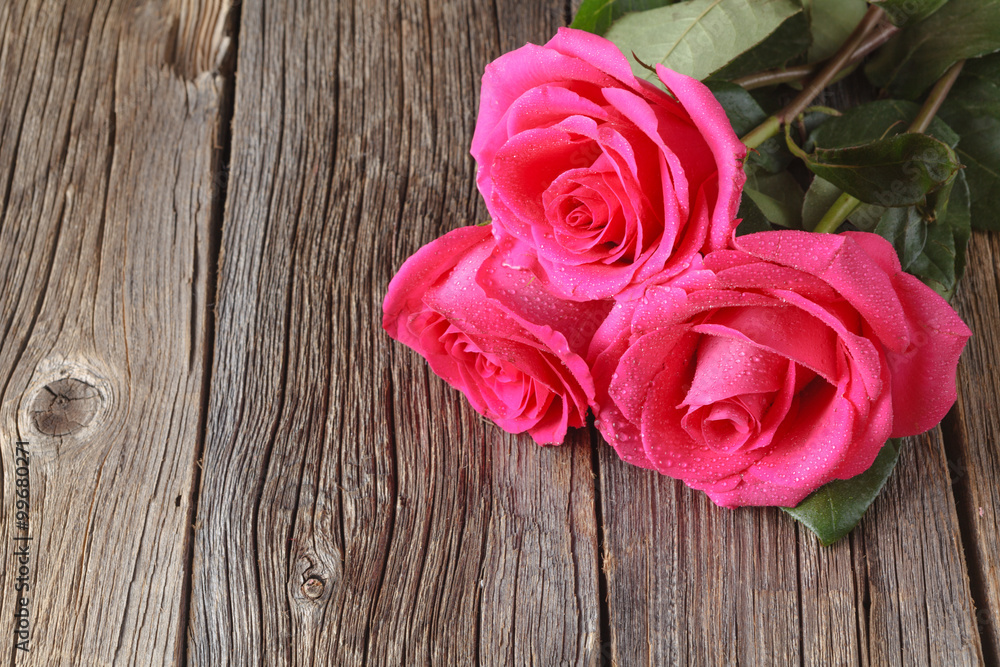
{"type": "Point", "coordinates": [508, 78]}
{"type": "Point", "coordinates": [594, 49]}
{"type": "Point", "coordinates": [525, 299]}
{"type": "Point", "coordinates": [667, 351]}
{"type": "Point", "coordinates": [863, 353]}
{"type": "Point", "coordinates": [684, 140]}
{"type": "Point", "coordinates": [709, 117]}
{"type": "Point", "coordinates": [728, 367]}
{"type": "Point", "coordinates": [424, 268]}
{"type": "Point", "coordinates": [839, 261]}
{"type": "Point", "coordinates": [814, 443]}
{"type": "Point", "coordinates": [524, 168]}
{"type": "Point", "coordinates": [923, 375]}
{"type": "Point", "coordinates": [869, 436]}
{"type": "Point", "coordinates": [671, 449]}
{"type": "Point", "coordinates": [545, 106]}
{"type": "Point", "coordinates": [786, 331]}
{"type": "Point", "coordinates": [607, 347]}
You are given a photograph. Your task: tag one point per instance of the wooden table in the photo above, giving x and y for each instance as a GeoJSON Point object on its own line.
{"type": "Point", "coordinates": [201, 206]}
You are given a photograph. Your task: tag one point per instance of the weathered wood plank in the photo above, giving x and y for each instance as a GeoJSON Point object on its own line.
{"type": "Point", "coordinates": [353, 507]}
{"type": "Point", "coordinates": [107, 120]}
{"type": "Point", "coordinates": [703, 585]}
{"type": "Point", "coordinates": [916, 604]}
{"type": "Point", "coordinates": [689, 583]}
{"type": "Point", "coordinates": [974, 438]}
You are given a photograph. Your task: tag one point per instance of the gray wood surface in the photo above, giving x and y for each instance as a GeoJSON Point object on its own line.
{"type": "Point", "coordinates": [351, 504]}
{"type": "Point", "coordinates": [107, 126]}
{"type": "Point", "coordinates": [201, 206]}
{"type": "Point", "coordinates": [974, 435]}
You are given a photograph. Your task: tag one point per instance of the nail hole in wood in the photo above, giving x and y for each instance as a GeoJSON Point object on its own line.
{"type": "Point", "coordinates": [65, 406]}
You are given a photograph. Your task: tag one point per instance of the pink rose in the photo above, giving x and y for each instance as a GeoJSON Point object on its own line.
{"type": "Point", "coordinates": [596, 180]}
{"type": "Point", "coordinates": [514, 352]}
{"type": "Point", "coordinates": [776, 367]}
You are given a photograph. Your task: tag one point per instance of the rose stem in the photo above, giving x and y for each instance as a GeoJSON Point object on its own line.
{"type": "Point", "coordinates": [845, 203]}
{"type": "Point", "coordinates": [935, 99]}
{"type": "Point", "coordinates": [800, 72]}
{"type": "Point", "coordinates": [770, 127]}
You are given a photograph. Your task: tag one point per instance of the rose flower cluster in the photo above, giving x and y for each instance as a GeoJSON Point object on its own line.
{"type": "Point", "coordinates": [756, 368]}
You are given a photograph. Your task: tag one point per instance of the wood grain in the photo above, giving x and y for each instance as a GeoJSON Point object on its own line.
{"type": "Point", "coordinates": [691, 583]}
{"type": "Point", "coordinates": [349, 507]}
{"type": "Point", "coordinates": [106, 187]}
{"type": "Point", "coordinates": [975, 432]}
{"type": "Point", "coordinates": [353, 508]}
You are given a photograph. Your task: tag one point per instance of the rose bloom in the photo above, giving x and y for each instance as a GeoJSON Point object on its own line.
{"type": "Point", "coordinates": [503, 341]}
{"type": "Point", "coordinates": [776, 367]}
{"type": "Point", "coordinates": [596, 180]}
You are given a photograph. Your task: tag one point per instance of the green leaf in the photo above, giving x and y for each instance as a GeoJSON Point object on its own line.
{"type": "Point", "coordinates": [752, 220]}
{"type": "Point", "coordinates": [874, 120]}
{"type": "Point", "coordinates": [819, 198]}
{"type": "Point", "coordinates": [831, 23]}
{"type": "Point", "coordinates": [744, 113]}
{"type": "Point", "coordinates": [778, 196]}
{"type": "Point", "coordinates": [742, 110]}
{"type": "Point", "coordinates": [864, 124]}
{"type": "Point", "coordinates": [944, 219]}
{"type": "Point", "coordinates": [897, 171]}
{"type": "Point", "coordinates": [834, 509]}
{"type": "Point", "coordinates": [905, 12]}
{"type": "Point", "coordinates": [921, 53]}
{"type": "Point", "coordinates": [596, 16]}
{"type": "Point", "coordinates": [942, 262]}
{"type": "Point", "coordinates": [906, 230]}
{"type": "Point", "coordinates": [959, 219]}
{"type": "Point", "coordinates": [866, 217]}
{"type": "Point", "coordinates": [973, 110]}
{"type": "Point", "coordinates": [788, 41]}
{"type": "Point", "coordinates": [698, 37]}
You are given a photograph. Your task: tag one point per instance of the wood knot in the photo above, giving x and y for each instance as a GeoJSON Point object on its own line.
{"type": "Point", "coordinates": [313, 588]}
{"type": "Point", "coordinates": [65, 406]}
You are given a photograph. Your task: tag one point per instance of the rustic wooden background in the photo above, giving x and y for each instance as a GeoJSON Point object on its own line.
{"type": "Point", "coordinates": [201, 205]}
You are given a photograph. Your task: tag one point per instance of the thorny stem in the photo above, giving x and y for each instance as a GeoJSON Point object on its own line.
{"type": "Point", "coordinates": [801, 72]}
{"type": "Point", "coordinates": [846, 204]}
{"type": "Point", "coordinates": [772, 125]}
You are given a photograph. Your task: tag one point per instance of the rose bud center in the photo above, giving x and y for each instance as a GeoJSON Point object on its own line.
{"type": "Point", "coordinates": [734, 395]}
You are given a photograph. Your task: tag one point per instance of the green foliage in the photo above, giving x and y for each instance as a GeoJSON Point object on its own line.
{"type": "Point", "coordinates": [942, 221]}
{"type": "Point", "coordinates": [819, 198]}
{"type": "Point", "coordinates": [895, 171]}
{"type": "Point", "coordinates": [788, 41]}
{"type": "Point", "coordinates": [698, 37]}
{"type": "Point", "coordinates": [745, 113]}
{"type": "Point", "coordinates": [917, 57]}
{"type": "Point", "coordinates": [778, 196]}
{"type": "Point", "coordinates": [942, 263]}
{"type": "Point", "coordinates": [833, 510]}
{"type": "Point", "coordinates": [906, 12]}
{"type": "Point", "coordinates": [906, 230]}
{"type": "Point", "coordinates": [831, 23]}
{"type": "Point", "coordinates": [596, 16]}
{"type": "Point", "coordinates": [752, 219]}
{"type": "Point", "coordinates": [742, 110]}
{"type": "Point", "coordinates": [867, 122]}
{"type": "Point", "coordinates": [973, 110]}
